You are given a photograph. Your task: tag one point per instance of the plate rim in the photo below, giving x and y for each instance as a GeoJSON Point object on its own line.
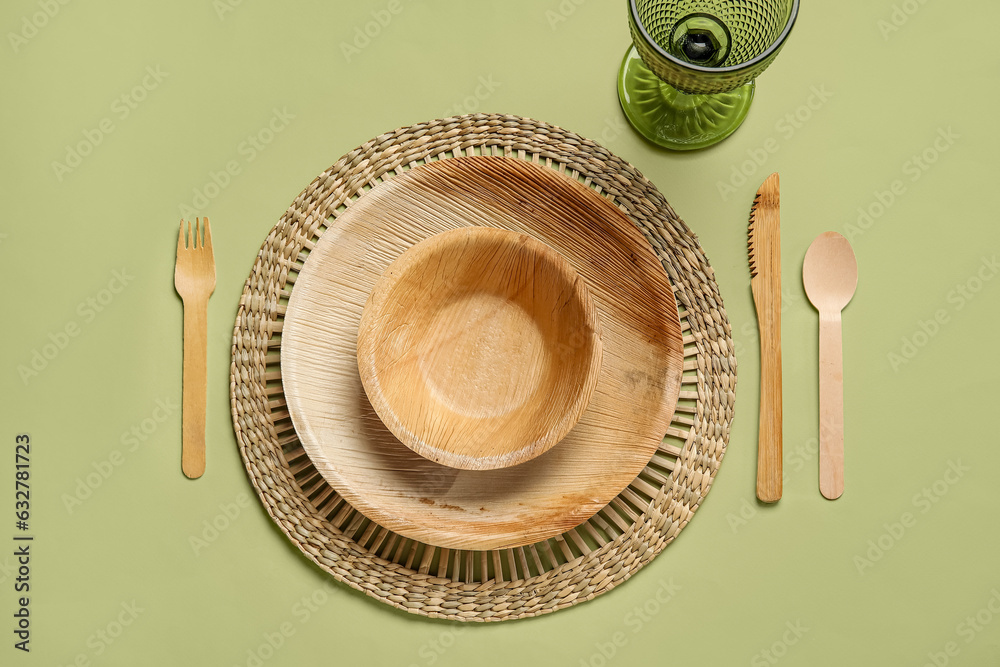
{"type": "Point", "coordinates": [409, 516]}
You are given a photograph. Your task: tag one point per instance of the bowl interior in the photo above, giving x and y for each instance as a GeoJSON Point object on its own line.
{"type": "Point", "coordinates": [479, 348]}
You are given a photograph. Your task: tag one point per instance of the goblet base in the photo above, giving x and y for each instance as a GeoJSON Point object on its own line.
{"type": "Point", "coordinates": [676, 120]}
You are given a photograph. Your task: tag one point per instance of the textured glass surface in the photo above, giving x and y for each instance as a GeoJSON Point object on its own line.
{"type": "Point", "coordinates": [701, 39]}
{"type": "Point", "coordinates": [687, 82]}
{"type": "Point", "coordinates": [676, 120]}
{"type": "Point", "coordinates": [754, 26]}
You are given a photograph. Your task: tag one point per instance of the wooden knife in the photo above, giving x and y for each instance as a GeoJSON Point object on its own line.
{"type": "Point", "coordinates": [764, 244]}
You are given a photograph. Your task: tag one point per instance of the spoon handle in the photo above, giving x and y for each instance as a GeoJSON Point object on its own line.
{"type": "Point", "coordinates": [831, 406]}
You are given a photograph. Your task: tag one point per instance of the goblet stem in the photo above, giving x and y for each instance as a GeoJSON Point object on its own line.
{"type": "Point", "coordinates": [673, 119]}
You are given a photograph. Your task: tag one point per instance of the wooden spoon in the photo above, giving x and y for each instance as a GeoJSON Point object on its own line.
{"type": "Point", "coordinates": [830, 276]}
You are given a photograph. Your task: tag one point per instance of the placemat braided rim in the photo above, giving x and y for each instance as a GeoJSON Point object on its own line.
{"type": "Point", "coordinates": [500, 584]}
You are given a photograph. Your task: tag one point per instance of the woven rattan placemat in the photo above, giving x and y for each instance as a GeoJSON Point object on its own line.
{"type": "Point", "coordinates": [500, 584]}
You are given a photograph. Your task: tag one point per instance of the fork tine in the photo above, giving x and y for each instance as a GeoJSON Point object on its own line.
{"type": "Point", "coordinates": [197, 233]}
{"type": "Point", "coordinates": [190, 239]}
{"type": "Point", "coordinates": [207, 245]}
{"type": "Point", "coordinates": [180, 239]}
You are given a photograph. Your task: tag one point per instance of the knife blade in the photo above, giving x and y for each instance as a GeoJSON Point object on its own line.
{"type": "Point", "coordinates": [764, 251]}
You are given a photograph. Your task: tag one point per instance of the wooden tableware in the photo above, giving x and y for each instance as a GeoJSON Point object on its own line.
{"type": "Point", "coordinates": [194, 280]}
{"type": "Point", "coordinates": [585, 562]}
{"type": "Point", "coordinates": [480, 348]}
{"type": "Point", "coordinates": [616, 436]}
{"type": "Point", "coordinates": [764, 245]}
{"type": "Point", "coordinates": [830, 277]}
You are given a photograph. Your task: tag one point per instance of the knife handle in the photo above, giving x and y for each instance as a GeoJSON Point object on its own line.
{"type": "Point", "coordinates": [769, 435]}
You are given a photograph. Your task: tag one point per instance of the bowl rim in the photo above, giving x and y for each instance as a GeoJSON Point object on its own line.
{"type": "Point", "coordinates": [750, 64]}
{"type": "Point", "coordinates": [381, 299]}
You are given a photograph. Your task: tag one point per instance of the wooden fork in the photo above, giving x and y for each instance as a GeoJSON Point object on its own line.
{"type": "Point", "coordinates": [194, 280]}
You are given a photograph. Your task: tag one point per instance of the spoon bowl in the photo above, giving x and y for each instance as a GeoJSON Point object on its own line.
{"type": "Point", "coordinates": [830, 272]}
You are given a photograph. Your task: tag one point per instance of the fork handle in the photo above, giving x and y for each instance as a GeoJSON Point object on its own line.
{"type": "Point", "coordinates": [195, 387]}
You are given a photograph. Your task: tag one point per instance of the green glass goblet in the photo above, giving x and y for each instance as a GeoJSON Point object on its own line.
{"type": "Point", "coordinates": [688, 79]}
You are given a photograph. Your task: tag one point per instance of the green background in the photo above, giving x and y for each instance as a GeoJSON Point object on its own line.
{"type": "Point", "coordinates": [744, 573]}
